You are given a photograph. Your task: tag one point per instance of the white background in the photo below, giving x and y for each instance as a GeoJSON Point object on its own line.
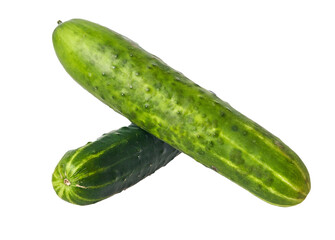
{"type": "Point", "coordinates": [271, 60]}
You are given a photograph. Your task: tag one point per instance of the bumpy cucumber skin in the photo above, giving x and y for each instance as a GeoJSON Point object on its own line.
{"type": "Point", "coordinates": [168, 105]}
{"type": "Point", "coordinates": [109, 165]}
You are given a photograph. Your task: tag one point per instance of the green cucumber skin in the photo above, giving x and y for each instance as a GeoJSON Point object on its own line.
{"type": "Point", "coordinates": [109, 165]}
{"type": "Point", "coordinates": [168, 105]}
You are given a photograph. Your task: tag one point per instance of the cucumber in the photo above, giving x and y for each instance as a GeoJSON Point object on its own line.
{"type": "Point", "coordinates": [165, 103]}
{"type": "Point", "coordinates": [111, 164]}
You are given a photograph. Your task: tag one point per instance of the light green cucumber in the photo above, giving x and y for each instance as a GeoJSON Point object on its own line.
{"type": "Point", "coordinates": [109, 165]}
{"type": "Point", "coordinates": [171, 107]}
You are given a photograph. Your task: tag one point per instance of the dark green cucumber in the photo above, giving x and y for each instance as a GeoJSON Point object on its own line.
{"type": "Point", "coordinates": [109, 165]}
{"type": "Point", "coordinates": [168, 105]}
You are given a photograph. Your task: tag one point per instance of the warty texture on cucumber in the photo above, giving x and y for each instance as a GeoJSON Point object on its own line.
{"type": "Point", "coordinates": [168, 105]}
{"type": "Point", "coordinates": [109, 165]}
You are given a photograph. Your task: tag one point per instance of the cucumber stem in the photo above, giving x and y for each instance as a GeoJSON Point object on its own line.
{"type": "Point", "coordinates": [67, 182]}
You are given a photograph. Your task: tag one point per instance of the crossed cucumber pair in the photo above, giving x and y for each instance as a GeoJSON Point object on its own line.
{"type": "Point", "coordinates": [170, 115]}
